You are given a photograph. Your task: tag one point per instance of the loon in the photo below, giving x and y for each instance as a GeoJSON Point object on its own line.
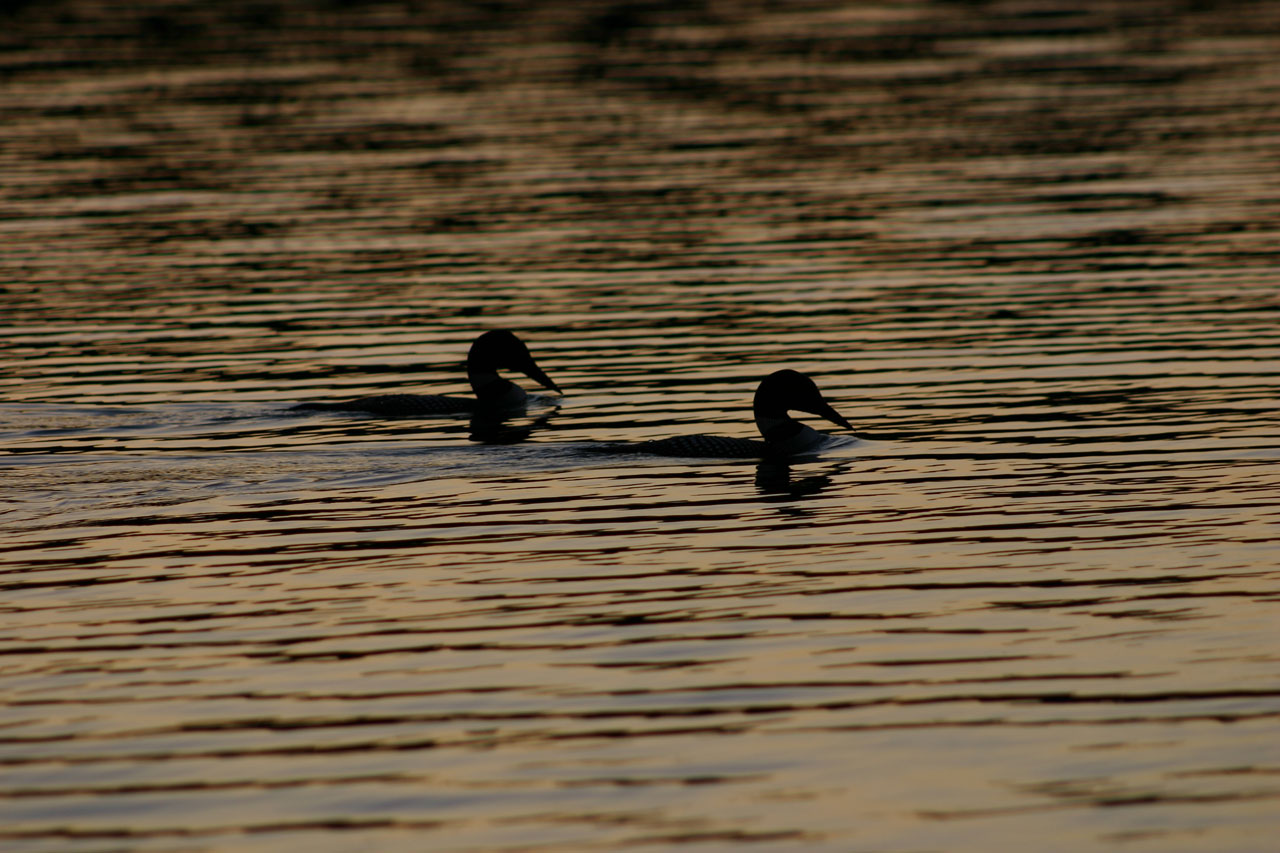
{"type": "Point", "coordinates": [779, 393]}
{"type": "Point", "coordinates": [490, 352]}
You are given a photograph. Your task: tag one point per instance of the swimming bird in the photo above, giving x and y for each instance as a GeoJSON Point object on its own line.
{"type": "Point", "coordinates": [493, 351]}
{"type": "Point", "coordinates": [778, 394]}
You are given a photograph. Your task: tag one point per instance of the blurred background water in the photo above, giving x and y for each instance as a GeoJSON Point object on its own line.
{"type": "Point", "coordinates": [1028, 248]}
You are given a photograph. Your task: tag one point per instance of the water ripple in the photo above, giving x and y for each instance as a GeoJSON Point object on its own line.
{"type": "Point", "coordinates": [1027, 250]}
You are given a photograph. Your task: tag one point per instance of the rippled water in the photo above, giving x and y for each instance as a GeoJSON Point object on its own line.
{"type": "Point", "coordinates": [1028, 249]}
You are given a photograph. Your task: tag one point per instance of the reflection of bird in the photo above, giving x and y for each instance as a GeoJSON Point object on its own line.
{"type": "Point", "coordinates": [493, 428]}
{"type": "Point", "coordinates": [779, 393]}
{"type": "Point", "coordinates": [490, 352]}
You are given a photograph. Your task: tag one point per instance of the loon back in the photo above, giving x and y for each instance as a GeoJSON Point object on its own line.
{"type": "Point", "coordinates": [396, 404]}
{"type": "Point", "coordinates": [710, 446]}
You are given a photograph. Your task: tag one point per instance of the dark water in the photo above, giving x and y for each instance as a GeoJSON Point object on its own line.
{"type": "Point", "coordinates": [1029, 249]}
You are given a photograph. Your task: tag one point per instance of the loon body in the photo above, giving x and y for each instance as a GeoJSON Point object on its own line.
{"type": "Point", "coordinates": [778, 394]}
{"type": "Point", "coordinates": [491, 352]}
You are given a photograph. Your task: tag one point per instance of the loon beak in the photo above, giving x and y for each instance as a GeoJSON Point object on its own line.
{"type": "Point", "coordinates": [824, 409]}
{"type": "Point", "coordinates": [535, 373]}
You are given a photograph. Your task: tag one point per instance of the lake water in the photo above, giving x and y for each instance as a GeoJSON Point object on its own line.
{"type": "Point", "coordinates": [1030, 250]}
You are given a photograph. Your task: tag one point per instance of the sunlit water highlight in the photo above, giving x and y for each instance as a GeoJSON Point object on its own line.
{"type": "Point", "coordinates": [1028, 251]}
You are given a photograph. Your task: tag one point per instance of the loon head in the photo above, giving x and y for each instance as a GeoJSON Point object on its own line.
{"type": "Point", "coordinates": [502, 350]}
{"type": "Point", "coordinates": [790, 390]}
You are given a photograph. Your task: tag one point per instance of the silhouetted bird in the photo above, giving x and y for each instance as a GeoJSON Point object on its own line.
{"type": "Point", "coordinates": [491, 352]}
{"type": "Point", "coordinates": [778, 394]}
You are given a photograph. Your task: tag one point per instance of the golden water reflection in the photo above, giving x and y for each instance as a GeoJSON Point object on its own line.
{"type": "Point", "coordinates": [1027, 250]}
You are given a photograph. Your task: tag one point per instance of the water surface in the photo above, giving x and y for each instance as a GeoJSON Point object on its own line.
{"type": "Point", "coordinates": [1029, 250]}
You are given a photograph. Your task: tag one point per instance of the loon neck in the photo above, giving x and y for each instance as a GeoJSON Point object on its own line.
{"type": "Point", "coordinates": [491, 389]}
{"type": "Point", "coordinates": [786, 435]}
{"type": "Point", "coordinates": [777, 427]}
